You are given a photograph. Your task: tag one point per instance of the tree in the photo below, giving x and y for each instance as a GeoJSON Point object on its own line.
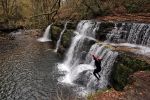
{"type": "Point", "coordinates": [45, 9]}
{"type": "Point", "coordinates": [10, 10]}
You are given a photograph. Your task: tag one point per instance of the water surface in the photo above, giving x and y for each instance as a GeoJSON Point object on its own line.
{"type": "Point", "coordinates": [28, 70]}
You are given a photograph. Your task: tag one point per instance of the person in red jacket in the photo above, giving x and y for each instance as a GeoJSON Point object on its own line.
{"type": "Point", "coordinates": [98, 66]}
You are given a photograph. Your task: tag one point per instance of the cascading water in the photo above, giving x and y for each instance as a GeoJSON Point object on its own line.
{"type": "Point", "coordinates": [46, 35]}
{"type": "Point", "coordinates": [132, 35]}
{"type": "Point", "coordinates": [77, 73]}
{"type": "Point", "coordinates": [86, 77]}
{"type": "Point", "coordinates": [81, 42]}
{"type": "Point", "coordinates": [59, 40]}
{"type": "Point", "coordinates": [112, 33]}
{"type": "Point", "coordinates": [135, 33]}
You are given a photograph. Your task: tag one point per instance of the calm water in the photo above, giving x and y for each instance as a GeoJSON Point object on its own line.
{"type": "Point", "coordinates": [28, 70]}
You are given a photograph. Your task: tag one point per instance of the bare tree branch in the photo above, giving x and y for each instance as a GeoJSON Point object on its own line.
{"type": "Point", "coordinates": [44, 14]}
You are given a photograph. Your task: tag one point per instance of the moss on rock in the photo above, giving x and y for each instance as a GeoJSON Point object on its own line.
{"type": "Point", "coordinates": [55, 32]}
{"type": "Point", "coordinates": [66, 38]}
{"type": "Point", "coordinates": [124, 66]}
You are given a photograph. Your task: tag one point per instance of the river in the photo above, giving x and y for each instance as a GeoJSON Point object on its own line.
{"type": "Point", "coordinates": [28, 70]}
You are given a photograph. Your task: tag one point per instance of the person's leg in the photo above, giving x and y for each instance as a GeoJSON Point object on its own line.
{"type": "Point", "coordinates": [95, 74]}
{"type": "Point", "coordinates": [98, 71]}
{"type": "Point", "coordinates": [98, 75]}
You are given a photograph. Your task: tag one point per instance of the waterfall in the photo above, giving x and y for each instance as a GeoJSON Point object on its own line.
{"type": "Point", "coordinates": [113, 32]}
{"type": "Point", "coordinates": [86, 77]}
{"type": "Point", "coordinates": [46, 36]}
{"type": "Point", "coordinates": [81, 73]}
{"type": "Point", "coordinates": [81, 42]}
{"type": "Point", "coordinates": [59, 40]}
{"type": "Point", "coordinates": [135, 33]}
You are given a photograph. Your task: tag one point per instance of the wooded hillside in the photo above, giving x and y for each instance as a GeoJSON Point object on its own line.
{"type": "Point", "coordinates": [37, 13]}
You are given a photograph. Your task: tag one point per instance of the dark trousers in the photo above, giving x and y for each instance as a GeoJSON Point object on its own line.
{"type": "Point", "coordinates": [96, 73]}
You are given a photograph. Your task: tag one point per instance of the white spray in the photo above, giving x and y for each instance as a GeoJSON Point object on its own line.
{"type": "Point", "coordinates": [46, 36]}
{"type": "Point", "coordinates": [59, 40]}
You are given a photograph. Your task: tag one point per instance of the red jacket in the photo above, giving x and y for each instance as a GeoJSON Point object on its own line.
{"type": "Point", "coordinates": [96, 58]}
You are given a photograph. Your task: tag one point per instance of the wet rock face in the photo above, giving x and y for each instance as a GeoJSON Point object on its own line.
{"type": "Point", "coordinates": [125, 65]}
{"type": "Point", "coordinates": [104, 29]}
{"type": "Point", "coordinates": [66, 37]}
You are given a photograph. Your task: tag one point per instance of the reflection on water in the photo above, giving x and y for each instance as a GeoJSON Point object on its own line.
{"type": "Point", "coordinates": [27, 70]}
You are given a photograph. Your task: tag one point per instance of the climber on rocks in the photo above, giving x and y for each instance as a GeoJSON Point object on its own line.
{"type": "Point", "coordinates": [98, 67]}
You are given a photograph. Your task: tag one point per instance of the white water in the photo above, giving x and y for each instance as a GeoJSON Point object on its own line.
{"type": "Point", "coordinates": [59, 40]}
{"type": "Point", "coordinates": [132, 35]}
{"type": "Point", "coordinates": [81, 75]}
{"type": "Point", "coordinates": [140, 49]}
{"type": "Point", "coordinates": [113, 32]}
{"type": "Point", "coordinates": [84, 29]}
{"type": "Point", "coordinates": [135, 33]}
{"type": "Point", "coordinates": [106, 65]}
{"type": "Point", "coordinates": [137, 49]}
{"type": "Point", "coordinates": [46, 36]}
{"type": "Point", "coordinates": [76, 72]}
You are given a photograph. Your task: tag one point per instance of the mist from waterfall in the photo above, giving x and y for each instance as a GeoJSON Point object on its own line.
{"type": "Point", "coordinates": [59, 40]}
{"type": "Point", "coordinates": [78, 68]}
{"type": "Point", "coordinates": [46, 36]}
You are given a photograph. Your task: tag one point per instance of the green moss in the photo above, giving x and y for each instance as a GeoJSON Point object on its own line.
{"type": "Point", "coordinates": [125, 66]}
{"type": "Point", "coordinates": [55, 31]}
{"type": "Point", "coordinates": [66, 39]}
